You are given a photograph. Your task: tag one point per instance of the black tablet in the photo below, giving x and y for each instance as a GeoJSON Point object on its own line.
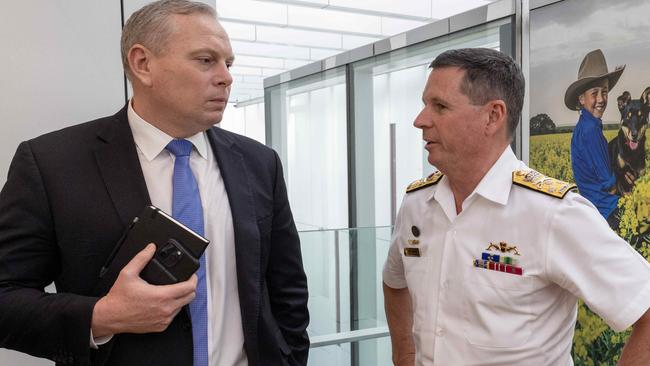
{"type": "Point", "coordinates": [178, 249]}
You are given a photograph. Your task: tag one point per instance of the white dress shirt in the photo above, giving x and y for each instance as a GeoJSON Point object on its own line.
{"type": "Point", "coordinates": [225, 332]}
{"type": "Point", "coordinates": [466, 315]}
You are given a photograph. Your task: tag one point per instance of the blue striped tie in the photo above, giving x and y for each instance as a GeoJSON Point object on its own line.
{"type": "Point", "coordinates": [186, 208]}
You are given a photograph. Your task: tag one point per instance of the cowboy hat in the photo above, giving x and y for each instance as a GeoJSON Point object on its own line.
{"type": "Point", "coordinates": [593, 68]}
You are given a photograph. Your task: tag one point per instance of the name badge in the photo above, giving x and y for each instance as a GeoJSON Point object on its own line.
{"type": "Point", "coordinates": [412, 252]}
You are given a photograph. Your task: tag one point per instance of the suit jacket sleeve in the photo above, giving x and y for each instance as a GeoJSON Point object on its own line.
{"type": "Point", "coordinates": [54, 326]}
{"type": "Point", "coordinates": [285, 274]}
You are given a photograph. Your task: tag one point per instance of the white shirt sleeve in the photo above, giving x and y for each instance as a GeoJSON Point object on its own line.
{"type": "Point", "coordinates": [586, 257]}
{"type": "Point", "coordinates": [96, 342]}
{"type": "Point", "coordinates": [393, 273]}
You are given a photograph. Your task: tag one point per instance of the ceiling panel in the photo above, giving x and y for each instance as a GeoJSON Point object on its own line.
{"type": "Point", "coordinates": [274, 36]}
{"type": "Point", "coordinates": [240, 31]}
{"type": "Point", "coordinates": [334, 20]}
{"type": "Point", "coordinates": [246, 70]}
{"type": "Point", "coordinates": [263, 49]}
{"type": "Point", "coordinates": [294, 64]}
{"type": "Point", "coordinates": [415, 8]}
{"type": "Point", "coordinates": [298, 37]}
{"type": "Point", "coordinates": [271, 72]}
{"type": "Point", "coordinates": [252, 11]}
{"type": "Point", "coordinates": [392, 26]}
{"type": "Point", "coordinates": [241, 60]}
{"type": "Point", "coordinates": [319, 54]}
{"type": "Point", "coordinates": [350, 42]}
{"type": "Point", "coordinates": [446, 8]}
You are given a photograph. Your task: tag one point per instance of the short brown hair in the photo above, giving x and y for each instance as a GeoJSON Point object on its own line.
{"type": "Point", "coordinates": [489, 75]}
{"type": "Point", "coordinates": [151, 28]}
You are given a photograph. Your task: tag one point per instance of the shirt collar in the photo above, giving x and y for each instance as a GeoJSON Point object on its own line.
{"type": "Point", "coordinates": [586, 115]}
{"type": "Point", "coordinates": [152, 141]}
{"type": "Point", "coordinates": [495, 185]}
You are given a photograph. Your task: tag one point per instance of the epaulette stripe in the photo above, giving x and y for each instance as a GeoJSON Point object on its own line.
{"type": "Point", "coordinates": [538, 182]}
{"type": "Point", "coordinates": [556, 195]}
{"type": "Point", "coordinates": [432, 179]}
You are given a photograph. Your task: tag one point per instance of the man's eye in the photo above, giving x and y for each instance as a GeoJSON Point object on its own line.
{"type": "Point", "coordinates": [205, 60]}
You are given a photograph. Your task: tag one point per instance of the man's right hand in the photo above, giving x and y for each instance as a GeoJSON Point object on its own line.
{"type": "Point", "coordinates": [134, 306]}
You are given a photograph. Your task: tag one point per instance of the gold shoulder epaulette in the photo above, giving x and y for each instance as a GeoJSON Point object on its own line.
{"type": "Point", "coordinates": [537, 181]}
{"type": "Point", "coordinates": [424, 182]}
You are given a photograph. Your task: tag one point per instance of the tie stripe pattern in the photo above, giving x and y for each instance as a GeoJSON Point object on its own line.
{"type": "Point", "coordinates": [186, 208]}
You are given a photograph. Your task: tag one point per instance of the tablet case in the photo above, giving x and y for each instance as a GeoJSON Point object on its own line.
{"type": "Point", "coordinates": [178, 250]}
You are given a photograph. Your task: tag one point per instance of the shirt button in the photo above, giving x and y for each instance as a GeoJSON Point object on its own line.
{"type": "Point", "coordinates": [445, 284]}
{"type": "Point", "coordinates": [440, 332]}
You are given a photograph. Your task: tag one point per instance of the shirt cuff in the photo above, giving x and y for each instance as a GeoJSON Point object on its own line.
{"type": "Point", "coordinates": [96, 342]}
{"type": "Point", "coordinates": [633, 312]}
{"type": "Point", "coordinates": [393, 281]}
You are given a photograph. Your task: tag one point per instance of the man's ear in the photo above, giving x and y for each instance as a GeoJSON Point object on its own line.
{"type": "Point", "coordinates": [139, 58]}
{"type": "Point", "coordinates": [497, 117]}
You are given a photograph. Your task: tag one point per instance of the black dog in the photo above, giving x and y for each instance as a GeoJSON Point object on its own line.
{"type": "Point", "coordinates": [627, 150]}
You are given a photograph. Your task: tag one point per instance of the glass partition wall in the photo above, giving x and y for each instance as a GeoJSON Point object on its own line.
{"type": "Point", "coordinates": [349, 148]}
{"type": "Point", "coordinates": [308, 130]}
{"type": "Point", "coordinates": [246, 119]}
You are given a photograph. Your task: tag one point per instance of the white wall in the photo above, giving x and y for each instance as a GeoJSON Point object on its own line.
{"type": "Point", "coordinates": [60, 66]}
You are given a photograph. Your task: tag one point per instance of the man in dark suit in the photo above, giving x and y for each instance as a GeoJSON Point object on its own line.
{"type": "Point", "coordinates": [70, 195]}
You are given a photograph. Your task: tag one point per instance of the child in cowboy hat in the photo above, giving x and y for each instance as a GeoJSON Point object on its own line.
{"type": "Point", "coordinates": [589, 154]}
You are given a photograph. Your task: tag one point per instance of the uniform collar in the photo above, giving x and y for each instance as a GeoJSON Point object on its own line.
{"type": "Point", "coordinates": [495, 185]}
{"type": "Point", "coordinates": [152, 141]}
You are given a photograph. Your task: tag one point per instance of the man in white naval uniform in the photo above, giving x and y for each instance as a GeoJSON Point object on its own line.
{"type": "Point", "coordinates": [489, 257]}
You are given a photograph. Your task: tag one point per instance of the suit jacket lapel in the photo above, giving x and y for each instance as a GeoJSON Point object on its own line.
{"type": "Point", "coordinates": [120, 168]}
{"type": "Point", "coordinates": [247, 237]}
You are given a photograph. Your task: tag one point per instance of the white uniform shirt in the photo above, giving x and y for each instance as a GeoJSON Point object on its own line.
{"type": "Point", "coordinates": [225, 332]}
{"type": "Point", "coordinates": [464, 315]}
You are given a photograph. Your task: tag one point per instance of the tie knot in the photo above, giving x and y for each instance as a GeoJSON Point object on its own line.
{"type": "Point", "coordinates": [179, 147]}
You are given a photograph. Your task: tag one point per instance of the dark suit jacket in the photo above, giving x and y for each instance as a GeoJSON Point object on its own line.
{"type": "Point", "coordinates": [68, 198]}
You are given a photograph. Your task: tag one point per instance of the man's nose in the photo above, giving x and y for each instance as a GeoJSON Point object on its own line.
{"type": "Point", "coordinates": [421, 120]}
{"type": "Point", "coordinates": [222, 75]}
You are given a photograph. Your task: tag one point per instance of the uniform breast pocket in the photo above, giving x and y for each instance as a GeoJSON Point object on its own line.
{"type": "Point", "coordinates": [497, 308]}
{"type": "Point", "coordinates": [415, 262]}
